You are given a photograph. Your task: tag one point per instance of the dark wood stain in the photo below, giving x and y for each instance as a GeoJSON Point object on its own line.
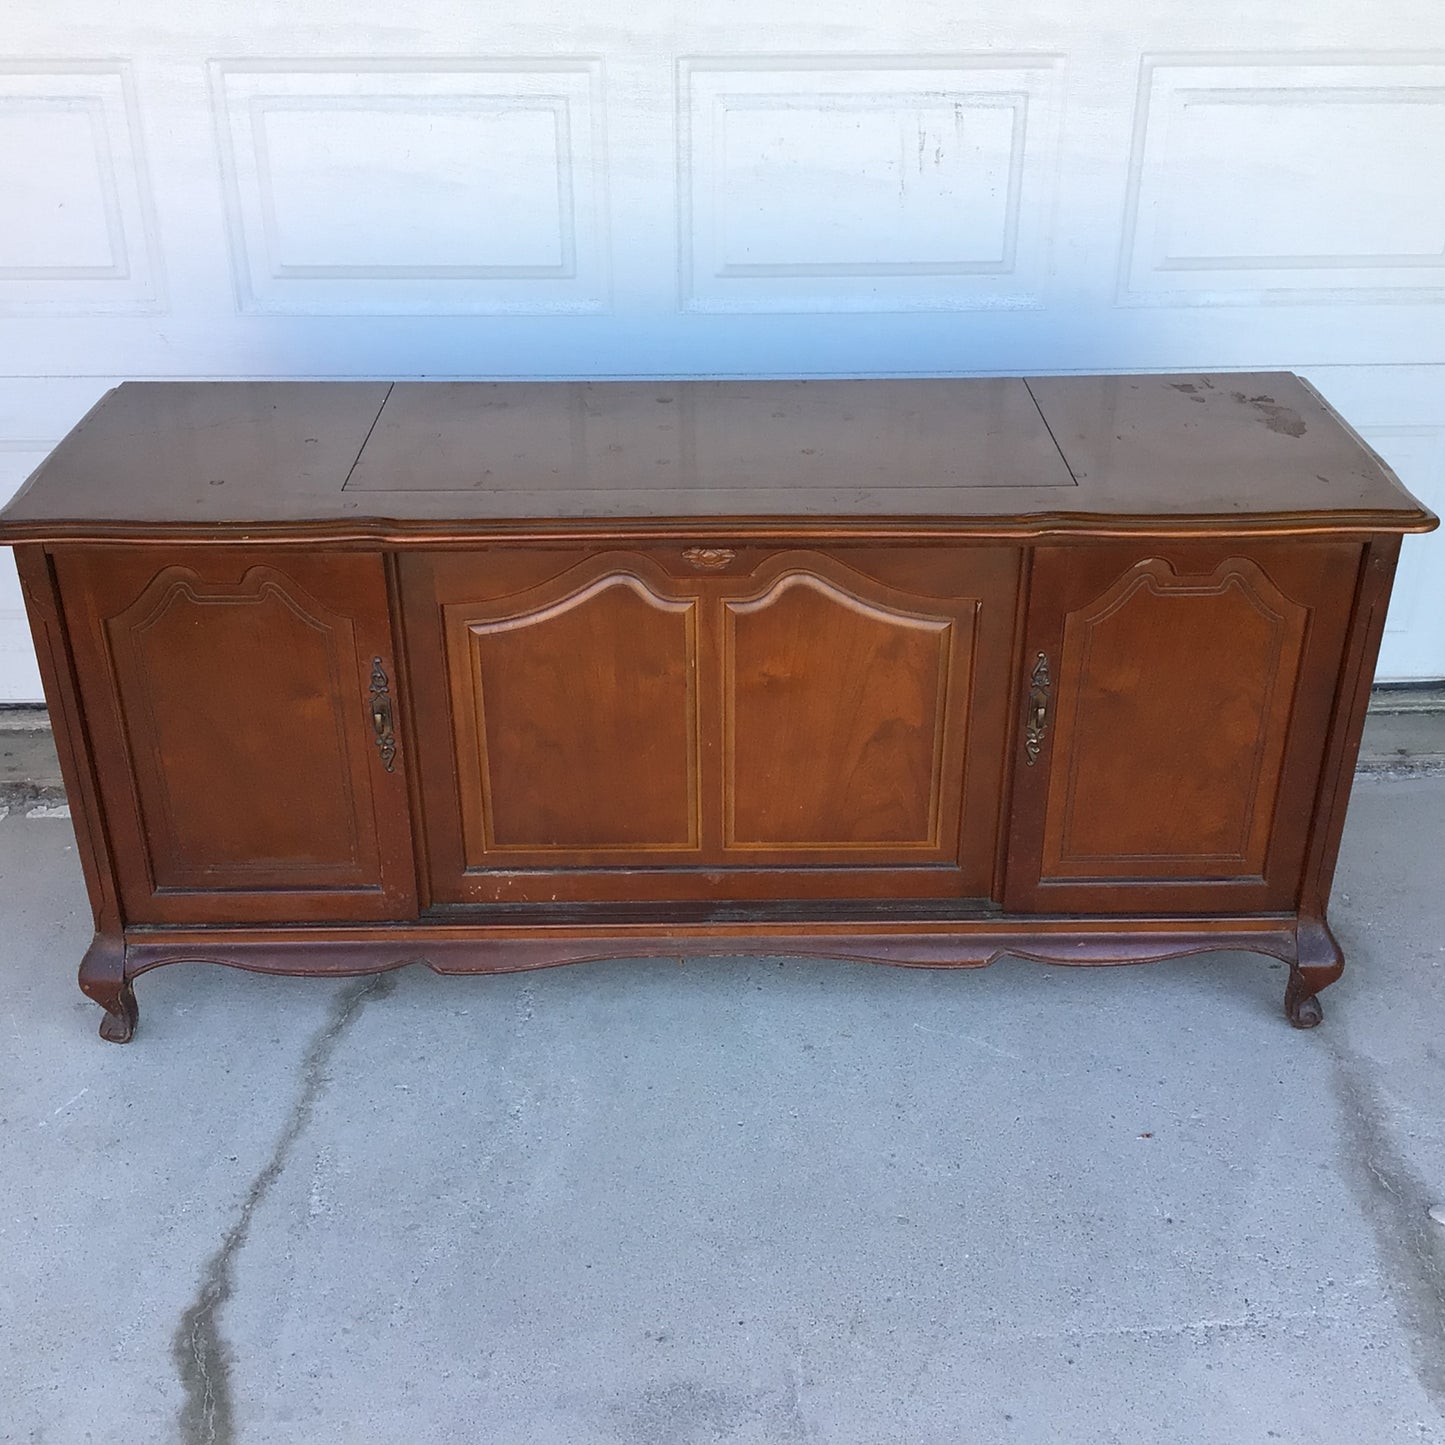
{"type": "Point", "coordinates": [301, 460]}
{"type": "Point", "coordinates": [496, 676]}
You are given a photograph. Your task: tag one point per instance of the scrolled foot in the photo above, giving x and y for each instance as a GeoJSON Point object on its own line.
{"type": "Point", "coordinates": [103, 980]}
{"type": "Point", "coordinates": [1301, 1006]}
{"type": "Point", "coordinates": [118, 1025]}
{"type": "Point", "coordinates": [1318, 962]}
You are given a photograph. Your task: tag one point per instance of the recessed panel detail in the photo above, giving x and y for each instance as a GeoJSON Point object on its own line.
{"type": "Point", "coordinates": [582, 734]}
{"type": "Point", "coordinates": [1178, 690]}
{"type": "Point", "coordinates": [413, 186]}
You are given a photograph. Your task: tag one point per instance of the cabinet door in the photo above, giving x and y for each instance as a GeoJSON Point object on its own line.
{"type": "Point", "coordinates": [632, 725]}
{"type": "Point", "coordinates": [1171, 744]}
{"type": "Point", "coordinates": [858, 712]}
{"type": "Point", "coordinates": [233, 700]}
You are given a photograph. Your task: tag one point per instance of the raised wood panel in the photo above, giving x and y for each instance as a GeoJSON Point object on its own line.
{"type": "Point", "coordinates": [761, 723]}
{"type": "Point", "coordinates": [205, 823]}
{"type": "Point", "coordinates": [239, 691]}
{"type": "Point", "coordinates": [1212, 771]}
{"type": "Point", "coordinates": [576, 716]}
{"type": "Point", "coordinates": [836, 726]}
{"type": "Point", "coordinates": [1186, 713]}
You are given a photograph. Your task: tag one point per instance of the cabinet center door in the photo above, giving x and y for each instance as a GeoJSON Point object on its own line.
{"type": "Point", "coordinates": [711, 723]}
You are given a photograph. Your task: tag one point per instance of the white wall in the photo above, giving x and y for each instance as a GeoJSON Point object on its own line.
{"type": "Point", "coordinates": [796, 187]}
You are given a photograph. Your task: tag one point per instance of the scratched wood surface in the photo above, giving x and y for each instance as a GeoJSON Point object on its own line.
{"type": "Point", "coordinates": [292, 459]}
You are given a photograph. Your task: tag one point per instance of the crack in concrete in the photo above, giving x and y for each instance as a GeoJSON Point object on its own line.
{"type": "Point", "coordinates": [1394, 1199]}
{"type": "Point", "coordinates": [207, 1416]}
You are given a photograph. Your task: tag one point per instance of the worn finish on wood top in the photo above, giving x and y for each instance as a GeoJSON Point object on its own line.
{"type": "Point", "coordinates": [843, 681]}
{"type": "Point", "coordinates": [1128, 453]}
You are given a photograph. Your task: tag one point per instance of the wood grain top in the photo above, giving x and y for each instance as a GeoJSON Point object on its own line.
{"type": "Point", "coordinates": [1106, 454]}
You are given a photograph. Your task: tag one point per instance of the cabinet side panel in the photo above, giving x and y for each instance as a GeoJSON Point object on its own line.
{"type": "Point", "coordinates": [72, 743]}
{"type": "Point", "coordinates": [1367, 627]}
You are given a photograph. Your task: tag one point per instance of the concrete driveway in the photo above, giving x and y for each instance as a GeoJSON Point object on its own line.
{"type": "Point", "coordinates": [751, 1200]}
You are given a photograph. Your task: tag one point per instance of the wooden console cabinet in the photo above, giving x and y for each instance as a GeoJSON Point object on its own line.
{"type": "Point", "coordinates": [346, 676]}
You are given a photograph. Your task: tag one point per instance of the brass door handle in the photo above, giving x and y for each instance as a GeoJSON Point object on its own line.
{"type": "Point", "coordinates": [1038, 715]}
{"type": "Point", "coordinates": [381, 720]}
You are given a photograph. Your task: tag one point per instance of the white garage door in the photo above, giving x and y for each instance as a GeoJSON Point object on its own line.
{"type": "Point", "coordinates": [765, 187]}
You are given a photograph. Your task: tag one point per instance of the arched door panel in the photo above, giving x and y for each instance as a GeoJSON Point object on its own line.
{"type": "Point", "coordinates": [1175, 731]}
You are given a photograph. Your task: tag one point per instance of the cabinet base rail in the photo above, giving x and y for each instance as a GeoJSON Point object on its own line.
{"type": "Point", "coordinates": [1305, 944]}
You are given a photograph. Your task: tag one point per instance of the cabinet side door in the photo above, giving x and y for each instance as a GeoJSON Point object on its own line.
{"type": "Point", "coordinates": [242, 708]}
{"type": "Point", "coordinates": [1178, 703]}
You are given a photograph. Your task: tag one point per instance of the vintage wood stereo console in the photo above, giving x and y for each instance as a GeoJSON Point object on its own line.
{"type": "Point", "coordinates": [346, 676]}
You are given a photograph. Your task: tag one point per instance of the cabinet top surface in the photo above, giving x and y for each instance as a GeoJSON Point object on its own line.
{"type": "Point", "coordinates": [226, 460]}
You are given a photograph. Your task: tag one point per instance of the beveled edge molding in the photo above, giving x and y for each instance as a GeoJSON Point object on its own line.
{"type": "Point", "coordinates": [625, 531]}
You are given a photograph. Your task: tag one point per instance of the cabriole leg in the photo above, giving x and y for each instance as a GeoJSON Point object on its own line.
{"type": "Point", "coordinates": [1318, 963]}
{"type": "Point", "coordinates": [103, 980]}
